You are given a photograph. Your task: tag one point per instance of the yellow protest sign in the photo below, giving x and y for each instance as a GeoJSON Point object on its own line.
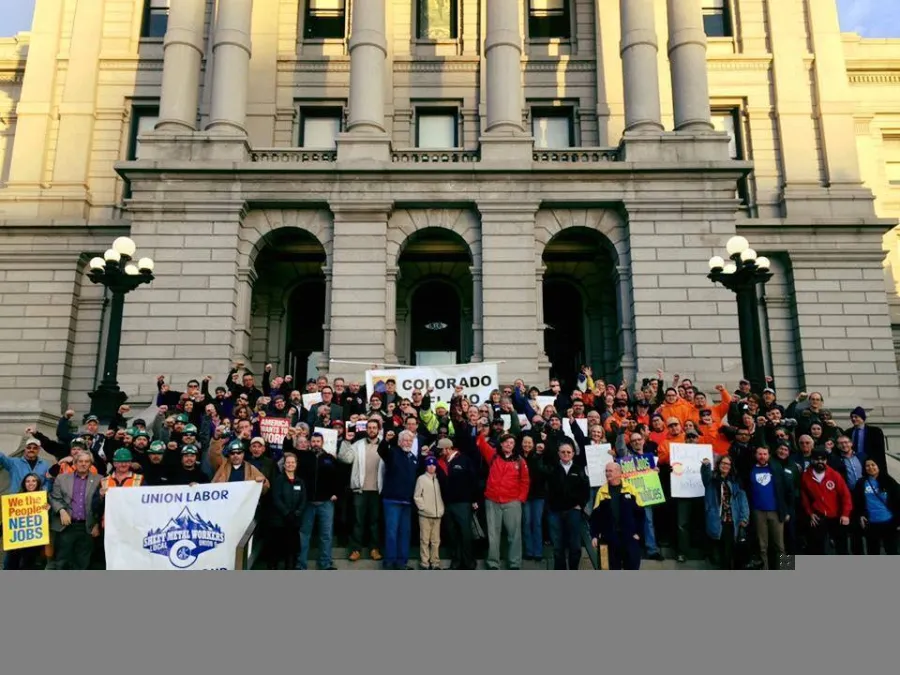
{"type": "Point", "coordinates": [26, 520]}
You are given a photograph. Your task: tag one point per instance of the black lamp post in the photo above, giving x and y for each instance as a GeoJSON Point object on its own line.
{"type": "Point", "coordinates": [741, 276]}
{"type": "Point", "coordinates": [120, 275]}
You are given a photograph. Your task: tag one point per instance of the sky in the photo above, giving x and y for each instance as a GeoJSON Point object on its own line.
{"type": "Point", "coordinates": [870, 18]}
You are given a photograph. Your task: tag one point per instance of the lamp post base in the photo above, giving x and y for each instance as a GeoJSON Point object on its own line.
{"type": "Point", "coordinates": [105, 402]}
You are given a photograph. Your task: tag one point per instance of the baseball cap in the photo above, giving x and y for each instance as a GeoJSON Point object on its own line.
{"type": "Point", "coordinates": [768, 390]}
{"type": "Point", "coordinates": [819, 453]}
{"type": "Point", "coordinates": [91, 418]}
{"type": "Point", "coordinates": [445, 444]}
{"type": "Point", "coordinates": [258, 439]}
{"type": "Point", "coordinates": [430, 461]}
{"type": "Point", "coordinates": [32, 441]}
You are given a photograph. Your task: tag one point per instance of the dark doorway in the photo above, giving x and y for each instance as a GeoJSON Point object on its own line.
{"type": "Point", "coordinates": [435, 316]}
{"type": "Point", "coordinates": [564, 331]}
{"type": "Point", "coordinates": [304, 332]}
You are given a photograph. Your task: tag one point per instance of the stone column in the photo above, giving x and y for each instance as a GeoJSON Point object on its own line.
{"type": "Point", "coordinates": [368, 52]}
{"type": "Point", "coordinates": [366, 139]}
{"type": "Point", "coordinates": [275, 351]}
{"type": "Point", "coordinates": [322, 364]}
{"type": "Point", "coordinates": [511, 332]}
{"type": "Point", "coordinates": [359, 285]}
{"type": "Point", "coordinates": [182, 54]}
{"type": "Point", "coordinates": [240, 346]}
{"type": "Point", "coordinates": [231, 67]}
{"type": "Point", "coordinates": [390, 314]}
{"type": "Point", "coordinates": [503, 53]}
{"type": "Point", "coordinates": [687, 56]}
{"type": "Point", "coordinates": [543, 360]}
{"type": "Point", "coordinates": [477, 312]}
{"type": "Point", "coordinates": [639, 49]}
{"type": "Point", "coordinates": [624, 312]}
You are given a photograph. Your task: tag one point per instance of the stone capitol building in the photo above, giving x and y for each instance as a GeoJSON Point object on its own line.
{"type": "Point", "coordinates": [535, 182]}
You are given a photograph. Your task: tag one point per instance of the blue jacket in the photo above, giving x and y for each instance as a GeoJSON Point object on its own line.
{"type": "Point", "coordinates": [18, 468]}
{"type": "Point", "coordinates": [401, 469]}
{"type": "Point", "coordinates": [740, 507]}
{"type": "Point", "coordinates": [631, 518]}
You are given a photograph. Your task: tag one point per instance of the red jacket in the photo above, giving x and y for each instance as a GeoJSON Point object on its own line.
{"type": "Point", "coordinates": [508, 480]}
{"type": "Point", "coordinates": [829, 499]}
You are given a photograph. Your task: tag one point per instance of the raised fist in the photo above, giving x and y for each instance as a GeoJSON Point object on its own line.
{"type": "Point", "coordinates": [207, 378]}
{"type": "Point", "coordinates": [268, 367]}
{"type": "Point", "coordinates": [29, 431]}
{"type": "Point", "coordinates": [70, 414]}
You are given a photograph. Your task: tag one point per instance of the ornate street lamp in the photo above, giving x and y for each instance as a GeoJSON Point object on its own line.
{"type": "Point", "coordinates": [742, 275]}
{"type": "Point", "coordinates": [117, 271]}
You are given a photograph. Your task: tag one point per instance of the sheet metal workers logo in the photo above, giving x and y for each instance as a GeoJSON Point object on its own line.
{"type": "Point", "coordinates": [184, 539]}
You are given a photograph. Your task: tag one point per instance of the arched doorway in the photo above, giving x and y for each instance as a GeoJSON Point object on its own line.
{"type": "Point", "coordinates": [434, 299]}
{"type": "Point", "coordinates": [435, 324]}
{"type": "Point", "coordinates": [580, 306]}
{"type": "Point", "coordinates": [289, 299]}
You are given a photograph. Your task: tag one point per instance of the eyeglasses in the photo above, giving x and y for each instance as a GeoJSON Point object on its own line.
{"type": "Point", "coordinates": [566, 452]}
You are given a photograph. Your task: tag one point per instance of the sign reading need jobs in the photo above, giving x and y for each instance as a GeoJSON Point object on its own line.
{"type": "Point", "coordinates": [25, 520]}
{"type": "Point", "coordinates": [476, 379]}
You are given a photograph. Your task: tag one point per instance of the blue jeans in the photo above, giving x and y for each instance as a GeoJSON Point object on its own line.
{"type": "Point", "coordinates": [323, 512]}
{"type": "Point", "coordinates": [532, 528]}
{"type": "Point", "coordinates": [565, 533]}
{"type": "Point", "coordinates": [397, 526]}
{"type": "Point", "coordinates": [650, 532]}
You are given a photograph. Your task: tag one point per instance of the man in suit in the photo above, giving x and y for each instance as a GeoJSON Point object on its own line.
{"type": "Point", "coordinates": [72, 516]}
{"type": "Point", "coordinates": [868, 441]}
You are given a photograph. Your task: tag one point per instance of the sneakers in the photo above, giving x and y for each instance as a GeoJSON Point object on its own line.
{"type": "Point", "coordinates": [424, 567]}
{"type": "Point", "coordinates": [680, 558]}
{"type": "Point", "coordinates": [375, 554]}
{"type": "Point", "coordinates": [356, 555]}
{"type": "Point", "coordinates": [659, 557]}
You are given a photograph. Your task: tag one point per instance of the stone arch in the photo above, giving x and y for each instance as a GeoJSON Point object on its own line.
{"type": "Point", "coordinates": [404, 223]}
{"type": "Point", "coordinates": [608, 222]}
{"type": "Point", "coordinates": [260, 224]}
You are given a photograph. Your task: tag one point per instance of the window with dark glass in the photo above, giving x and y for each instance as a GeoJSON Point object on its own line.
{"type": "Point", "coordinates": [325, 19]}
{"type": "Point", "coordinates": [437, 128]}
{"type": "Point", "coordinates": [436, 19]}
{"type": "Point", "coordinates": [553, 128]}
{"type": "Point", "coordinates": [717, 18]}
{"type": "Point", "coordinates": [143, 118]}
{"type": "Point", "coordinates": [549, 19]}
{"type": "Point", "coordinates": [319, 127]}
{"type": "Point", "coordinates": [728, 120]}
{"type": "Point", "coordinates": [156, 18]}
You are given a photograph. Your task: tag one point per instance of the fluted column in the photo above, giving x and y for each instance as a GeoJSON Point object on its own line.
{"type": "Point", "coordinates": [687, 59]}
{"type": "Point", "coordinates": [503, 52]}
{"type": "Point", "coordinates": [640, 70]}
{"type": "Point", "coordinates": [182, 55]}
{"type": "Point", "coordinates": [368, 52]}
{"type": "Point", "coordinates": [231, 67]}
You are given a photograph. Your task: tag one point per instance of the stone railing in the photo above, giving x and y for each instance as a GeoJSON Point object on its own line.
{"type": "Point", "coordinates": [576, 156]}
{"type": "Point", "coordinates": [417, 156]}
{"type": "Point", "coordinates": [292, 156]}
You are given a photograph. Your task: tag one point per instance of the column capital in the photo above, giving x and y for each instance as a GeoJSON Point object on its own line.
{"type": "Point", "coordinates": [493, 209]}
{"type": "Point", "coordinates": [360, 210]}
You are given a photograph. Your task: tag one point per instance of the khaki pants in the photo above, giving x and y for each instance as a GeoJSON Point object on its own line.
{"type": "Point", "coordinates": [769, 530]}
{"type": "Point", "coordinates": [429, 541]}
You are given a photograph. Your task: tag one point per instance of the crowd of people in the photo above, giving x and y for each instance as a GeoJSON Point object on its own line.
{"type": "Point", "coordinates": [784, 481]}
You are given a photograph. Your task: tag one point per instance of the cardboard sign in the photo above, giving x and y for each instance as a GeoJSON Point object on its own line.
{"type": "Point", "coordinates": [330, 438]}
{"type": "Point", "coordinates": [309, 400]}
{"type": "Point", "coordinates": [274, 429]}
{"type": "Point", "coordinates": [686, 460]}
{"type": "Point", "coordinates": [597, 457]}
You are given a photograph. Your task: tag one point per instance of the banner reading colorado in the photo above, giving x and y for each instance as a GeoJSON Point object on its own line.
{"type": "Point", "coordinates": [476, 379]}
{"type": "Point", "coordinates": [178, 528]}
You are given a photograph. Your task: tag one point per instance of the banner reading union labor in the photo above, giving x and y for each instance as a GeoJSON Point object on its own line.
{"type": "Point", "coordinates": [476, 379]}
{"type": "Point", "coordinates": [178, 528]}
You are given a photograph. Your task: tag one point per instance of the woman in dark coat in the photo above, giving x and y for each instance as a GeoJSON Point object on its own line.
{"type": "Point", "coordinates": [288, 501]}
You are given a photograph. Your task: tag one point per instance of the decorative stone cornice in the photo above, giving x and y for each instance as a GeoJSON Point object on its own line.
{"type": "Point", "coordinates": [874, 77]}
{"type": "Point", "coordinates": [455, 65]}
{"type": "Point", "coordinates": [340, 65]}
{"type": "Point", "coordinates": [737, 62]}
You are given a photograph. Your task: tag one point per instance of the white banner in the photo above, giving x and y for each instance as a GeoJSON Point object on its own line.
{"type": "Point", "coordinates": [476, 379]}
{"type": "Point", "coordinates": [178, 528]}
{"type": "Point", "coordinates": [329, 439]}
{"type": "Point", "coordinates": [686, 460]}
{"type": "Point", "coordinates": [597, 457]}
